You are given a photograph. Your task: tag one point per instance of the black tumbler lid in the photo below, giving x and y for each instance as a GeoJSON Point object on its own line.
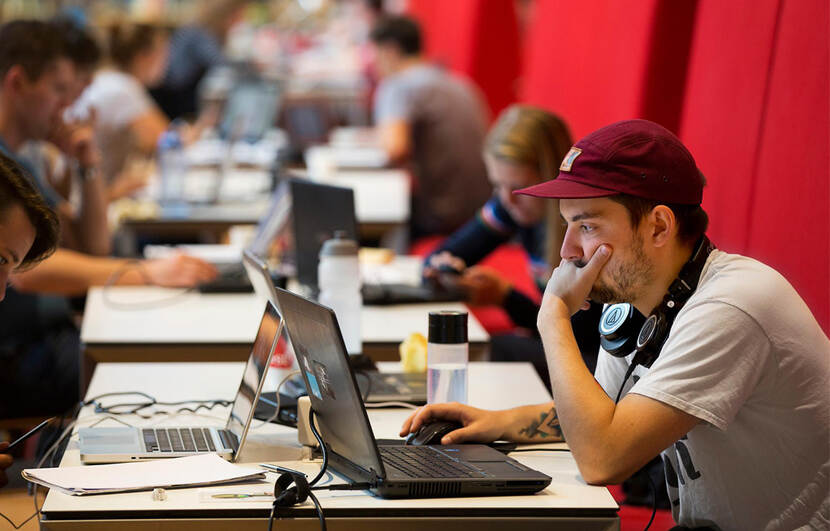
{"type": "Point", "coordinates": [447, 327]}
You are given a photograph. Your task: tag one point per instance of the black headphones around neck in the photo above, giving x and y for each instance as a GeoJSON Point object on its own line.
{"type": "Point", "coordinates": [623, 329]}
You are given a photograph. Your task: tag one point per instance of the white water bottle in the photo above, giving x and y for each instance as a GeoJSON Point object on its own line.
{"type": "Point", "coordinates": [447, 357]}
{"type": "Point", "coordinates": [172, 167]}
{"type": "Point", "coordinates": [338, 275]}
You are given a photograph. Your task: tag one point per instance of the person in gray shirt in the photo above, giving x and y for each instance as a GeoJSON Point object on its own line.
{"type": "Point", "coordinates": [433, 122]}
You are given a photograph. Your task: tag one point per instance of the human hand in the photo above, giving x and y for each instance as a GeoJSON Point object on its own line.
{"type": "Point", "coordinates": [480, 425]}
{"type": "Point", "coordinates": [76, 138]}
{"type": "Point", "coordinates": [484, 286]}
{"type": "Point", "coordinates": [5, 462]}
{"type": "Point", "coordinates": [444, 258]}
{"type": "Point", "coordinates": [179, 271]}
{"type": "Point", "coordinates": [570, 285]}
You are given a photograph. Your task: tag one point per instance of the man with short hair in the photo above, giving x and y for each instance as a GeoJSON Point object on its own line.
{"type": "Point", "coordinates": [730, 377]}
{"type": "Point", "coordinates": [434, 121]}
{"type": "Point", "coordinates": [39, 341]}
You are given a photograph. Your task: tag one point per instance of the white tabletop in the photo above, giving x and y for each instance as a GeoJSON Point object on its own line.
{"type": "Point", "coordinates": [152, 315]}
{"type": "Point", "coordinates": [515, 383]}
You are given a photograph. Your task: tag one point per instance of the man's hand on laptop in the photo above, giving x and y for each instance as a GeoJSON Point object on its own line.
{"type": "Point", "coordinates": [179, 271]}
{"type": "Point", "coordinates": [480, 425]}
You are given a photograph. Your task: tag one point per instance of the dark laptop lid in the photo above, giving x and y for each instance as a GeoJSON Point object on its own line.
{"type": "Point", "coordinates": [251, 109]}
{"type": "Point", "coordinates": [318, 211]}
{"type": "Point", "coordinates": [333, 391]}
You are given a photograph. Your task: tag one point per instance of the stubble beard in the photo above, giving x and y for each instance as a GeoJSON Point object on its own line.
{"type": "Point", "coordinates": [626, 277]}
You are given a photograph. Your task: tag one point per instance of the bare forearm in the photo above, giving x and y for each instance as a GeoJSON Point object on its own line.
{"type": "Point", "coordinates": [93, 229]}
{"type": "Point", "coordinates": [534, 424]}
{"type": "Point", "coordinates": [70, 273]}
{"type": "Point", "coordinates": [585, 410]}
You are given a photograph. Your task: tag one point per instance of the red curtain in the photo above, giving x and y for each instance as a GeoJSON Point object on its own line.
{"type": "Point", "coordinates": [756, 119]}
{"type": "Point", "coordinates": [594, 62]}
{"type": "Point", "coordinates": [476, 38]}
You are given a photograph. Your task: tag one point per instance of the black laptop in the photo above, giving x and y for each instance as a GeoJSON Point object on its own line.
{"type": "Point", "coordinates": [319, 211]}
{"type": "Point", "coordinates": [394, 471]}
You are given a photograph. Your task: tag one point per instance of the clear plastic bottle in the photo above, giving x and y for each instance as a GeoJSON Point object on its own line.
{"type": "Point", "coordinates": [447, 357]}
{"type": "Point", "coordinates": [338, 276]}
{"type": "Point", "coordinates": [172, 167]}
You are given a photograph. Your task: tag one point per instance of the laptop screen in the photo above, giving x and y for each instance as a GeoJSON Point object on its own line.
{"type": "Point", "coordinates": [334, 395]}
{"type": "Point", "coordinates": [254, 376]}
{"type": "Point", "coordinates": [251, 110]}
{"type": "Point", "coordinates": [318, 211]}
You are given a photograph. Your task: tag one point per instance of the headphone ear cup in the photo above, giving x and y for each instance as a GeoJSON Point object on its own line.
{"type": "Point", "coordinates": [650, 339]}
{"type": "Point", "coordinates": [618, 329]}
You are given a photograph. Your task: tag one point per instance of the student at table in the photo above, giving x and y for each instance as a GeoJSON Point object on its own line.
{"type": "Point", "coordinates": [127, 120]}
{"type": "Point", "coordinates": [433, 122]}
{"type": "Point", "coordinates": [730, 383]}
{"type": "Point", "coordinates": [523, 148]}
{"type": "Point", "coordinates": [37, 329]}
{"type": "Point", "coordinates": [28, 234]}
{"type": "Point", "coordinates": [195, 48]}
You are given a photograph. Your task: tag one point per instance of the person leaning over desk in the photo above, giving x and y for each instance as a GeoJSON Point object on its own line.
{"type": "Point", "coordinates": [28, 234]}
{"type": "Point", "coordinates": [39, 341]}
{"type": "Point", "coordinates": [736, 401]}
{"type": "Point", "coordinates": [523, 148]}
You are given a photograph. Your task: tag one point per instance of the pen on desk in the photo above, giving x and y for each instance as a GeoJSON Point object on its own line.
{"type": "Point", "coordinates": [233, 496]}
{"type": "Point", "coordinates": [276, 468]}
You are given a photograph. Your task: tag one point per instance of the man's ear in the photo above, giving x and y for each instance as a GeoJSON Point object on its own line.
{"type": "Point", "coordinates": [662, 225]}
{"type": "Point", "coordinates": [14, 80]}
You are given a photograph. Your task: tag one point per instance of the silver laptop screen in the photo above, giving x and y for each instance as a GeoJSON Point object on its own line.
{"type": "Point", "coordinates": [252, 379]}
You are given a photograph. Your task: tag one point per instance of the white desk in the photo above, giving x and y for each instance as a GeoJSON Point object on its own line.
{"type": "Point", "coordinates": [144, 323]}
{"type": "Point", "coordinates": [381, 204]}
{"type": "Point", "coordinates": [568, 503]}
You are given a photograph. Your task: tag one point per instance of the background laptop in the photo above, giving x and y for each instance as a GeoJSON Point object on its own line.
{"type": "Point", "coordinates": [374, 386]}
{"type": "Point", "coordinates": [114, 445]}
{"type": "Point", "coordinates": [318, 211]}
{"type": "Point", "coordinates": [396, 471]}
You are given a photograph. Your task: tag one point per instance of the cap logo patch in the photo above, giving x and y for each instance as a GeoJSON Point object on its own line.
{"type": "Point", "coordinates": [569, 159]}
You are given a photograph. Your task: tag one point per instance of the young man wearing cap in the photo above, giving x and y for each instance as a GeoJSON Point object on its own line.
{"type": "Point", "coordinates": [736, 399]}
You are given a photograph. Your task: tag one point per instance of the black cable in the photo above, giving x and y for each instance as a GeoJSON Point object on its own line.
{"type": "Point", "coordinates": [320, 474]}
{"type": "Point", "coordinates": [628, 374]}
{"type": "Point", "coordinates": [317, 436]}
{"type": "Point", "coordinates": [653, 501]}
{"type": "Point", "coordinates": [136, 407]}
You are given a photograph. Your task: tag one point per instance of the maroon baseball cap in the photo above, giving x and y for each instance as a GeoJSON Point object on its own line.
{"type": "Point", "coordinates": [634, 157]}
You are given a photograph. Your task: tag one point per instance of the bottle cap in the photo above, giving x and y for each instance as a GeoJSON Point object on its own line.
{"type": "Point", "coordinates": [447, 327]}
{"type": "Point", "coordinates": [340, 245]}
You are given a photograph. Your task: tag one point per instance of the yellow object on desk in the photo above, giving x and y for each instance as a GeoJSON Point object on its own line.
{"type": "Point", "coordinates": [413, 352]}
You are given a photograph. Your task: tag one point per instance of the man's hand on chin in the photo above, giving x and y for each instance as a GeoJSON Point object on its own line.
{"type": "Point", "coordinates": [569, 286]}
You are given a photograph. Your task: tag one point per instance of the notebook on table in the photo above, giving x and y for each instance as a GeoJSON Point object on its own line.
{"type": "Point", "coordinates": [394, 471]}
{"type": "Point", "coordinates": [114, 445]}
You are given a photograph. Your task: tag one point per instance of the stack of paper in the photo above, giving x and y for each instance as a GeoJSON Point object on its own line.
{"type": "Point", "coordinates": [199, 470]}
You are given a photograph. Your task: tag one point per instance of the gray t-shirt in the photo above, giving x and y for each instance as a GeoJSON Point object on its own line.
{"type": "Point", "coordinates": [747, 358]}
{"type": "Point", "coordinates": [447, 124]}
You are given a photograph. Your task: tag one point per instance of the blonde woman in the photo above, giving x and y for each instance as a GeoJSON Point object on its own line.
{"type": "Point", "coordinates": [524, 147]}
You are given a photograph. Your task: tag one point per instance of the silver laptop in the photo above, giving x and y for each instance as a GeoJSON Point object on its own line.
{"type": "Point", "coordinates": [116, 445]}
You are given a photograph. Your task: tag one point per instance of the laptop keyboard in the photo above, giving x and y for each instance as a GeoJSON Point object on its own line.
{"type": "Point", "coordinates": [426, 462]}
{"type": "Point", "coordinates": [184, 440]}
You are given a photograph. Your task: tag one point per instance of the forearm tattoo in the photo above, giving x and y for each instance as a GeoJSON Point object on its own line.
{"type": "Point", "coordinates": [546, 427]}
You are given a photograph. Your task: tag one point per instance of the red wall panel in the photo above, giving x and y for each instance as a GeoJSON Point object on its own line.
{"type": "Point", "coordinates": [789, 224]}
{"type": "Point", "coordinates": [476, 38]}
{"type": "Point", "coordinates": [728, 68]}
{"type": "Point", "coordinates": [598, 61]}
